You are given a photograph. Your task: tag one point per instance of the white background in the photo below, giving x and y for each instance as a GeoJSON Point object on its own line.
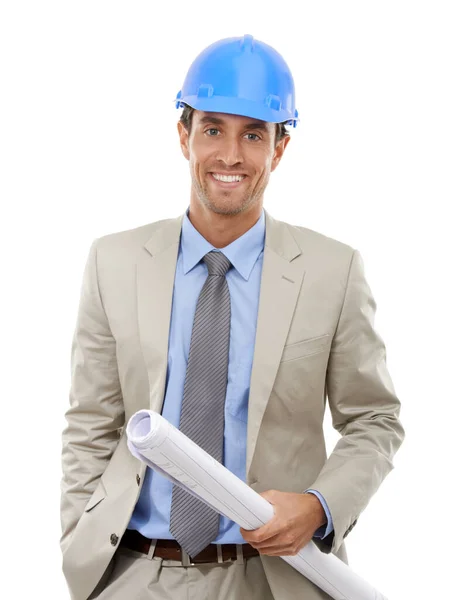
{"type": "Point", "coordinates": [89, 146]}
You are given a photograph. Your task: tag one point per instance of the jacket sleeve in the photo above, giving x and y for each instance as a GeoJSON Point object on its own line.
{"type": "Point", "coordinates": [96, 411]}
{"type": "Point", "coordinates": [364, 408]}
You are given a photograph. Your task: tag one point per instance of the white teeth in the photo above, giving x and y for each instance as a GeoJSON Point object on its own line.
{"type": "Point", "coordinates": [228, 178]}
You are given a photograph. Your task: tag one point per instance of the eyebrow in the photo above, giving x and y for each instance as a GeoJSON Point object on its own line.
{"type": "Point", "coordinates": [217, 121]}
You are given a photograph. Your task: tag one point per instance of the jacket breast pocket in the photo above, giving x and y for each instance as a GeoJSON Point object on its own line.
{"type": "Point", "coordinates": [300, 380]}
{"type": "Point", "coordinates": [304, 348]}
{"type": "Point", "coordinates": [98, 495]}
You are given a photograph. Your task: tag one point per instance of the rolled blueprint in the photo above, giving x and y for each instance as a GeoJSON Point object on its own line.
{"type": "Point", "coordinates": [156, 442]}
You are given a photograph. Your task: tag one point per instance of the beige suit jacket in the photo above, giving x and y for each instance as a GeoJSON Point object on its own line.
{"type": "Point", "coordinates": [315, 340]}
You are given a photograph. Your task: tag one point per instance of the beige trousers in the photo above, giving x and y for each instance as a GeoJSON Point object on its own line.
{"type": "Point", "coordinates": [133, 575]}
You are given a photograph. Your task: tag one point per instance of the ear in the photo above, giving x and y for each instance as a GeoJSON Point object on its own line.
{"type": "Point", "coordinates": [184, 139]}
{"type": "Point", "coordinates": [279, 151]}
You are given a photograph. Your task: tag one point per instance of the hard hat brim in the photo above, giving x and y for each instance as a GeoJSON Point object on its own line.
{"type": "Point", "coordinates": [238, 106]}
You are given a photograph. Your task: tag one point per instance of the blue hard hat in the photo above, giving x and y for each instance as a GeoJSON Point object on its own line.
{"type": "Point", "coordinates": [241, 76]}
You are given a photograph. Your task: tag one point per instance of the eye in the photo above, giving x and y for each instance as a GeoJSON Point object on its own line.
{"type": "Point", "coordinates": [215, 129]}
{"type": "Point", "coordinates": [257, 136]}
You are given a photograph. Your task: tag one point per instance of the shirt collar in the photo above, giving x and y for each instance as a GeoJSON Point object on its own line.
{"type": "Point", "coordinates": [242, 253]}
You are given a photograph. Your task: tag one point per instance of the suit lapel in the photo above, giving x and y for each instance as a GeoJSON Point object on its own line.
{"type": "Point", "coordinates": [280, 285]}
{"type": "Point", "coordinates": [155, 278]}
{"type": "Point", "coordinates": [279, 289]}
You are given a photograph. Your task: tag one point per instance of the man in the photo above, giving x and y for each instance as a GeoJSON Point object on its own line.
{"type": "Point", "coordinates": [236, 327]}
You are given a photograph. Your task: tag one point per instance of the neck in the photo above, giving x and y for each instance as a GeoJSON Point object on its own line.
{"type": "Point", "coordinates": [218, 229]}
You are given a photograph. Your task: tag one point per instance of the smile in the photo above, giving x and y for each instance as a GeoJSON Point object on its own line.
{"type": "Point", "coordinates": [226, 181]}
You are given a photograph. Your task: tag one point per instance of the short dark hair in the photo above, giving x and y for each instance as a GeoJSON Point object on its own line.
{"type": "Point", "coordinates": [186, 119]}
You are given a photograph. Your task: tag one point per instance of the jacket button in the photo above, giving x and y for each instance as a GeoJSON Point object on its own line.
{"type": "Point", "coordinates": [138, 479]}
{"type": "Point", "coordinates": [114, 539]}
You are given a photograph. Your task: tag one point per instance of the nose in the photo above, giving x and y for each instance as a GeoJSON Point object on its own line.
{"type": "Point", "coordinates": [230, 152]}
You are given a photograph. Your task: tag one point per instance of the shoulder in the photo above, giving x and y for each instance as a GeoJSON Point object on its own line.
{"type": "Point", "coordinates": [128, 244]}
{"type": "Point", "coordinates": [135, 236]}
{"type": "Point", "coordinates": [319, 246]}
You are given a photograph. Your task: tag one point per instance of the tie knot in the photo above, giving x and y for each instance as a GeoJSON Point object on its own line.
{"type": "Point", "coordinates": [217, 263]}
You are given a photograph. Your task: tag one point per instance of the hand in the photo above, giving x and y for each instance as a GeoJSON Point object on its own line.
{"type": "Point", "coordinates": [296, 518]}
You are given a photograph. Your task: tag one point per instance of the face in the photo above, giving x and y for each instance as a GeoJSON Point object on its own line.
{"type": "Point", "coordinates": [225, 144]}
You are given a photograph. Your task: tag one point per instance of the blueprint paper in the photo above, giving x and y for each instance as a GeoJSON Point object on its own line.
{"type": "Point", "coordinates": [156, 442]}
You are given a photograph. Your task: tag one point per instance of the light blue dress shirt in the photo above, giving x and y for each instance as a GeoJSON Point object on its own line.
{"type": "Point", "coordinates": [151, 515]}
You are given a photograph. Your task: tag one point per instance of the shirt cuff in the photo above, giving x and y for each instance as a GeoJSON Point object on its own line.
{"type": "Point", "coordinates": [324, 530]}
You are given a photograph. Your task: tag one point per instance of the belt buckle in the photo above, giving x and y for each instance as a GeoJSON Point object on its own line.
{"type": "Point", "coordinates": [187, 562]}
{"type": "Point", "coordinates": [186, 559]}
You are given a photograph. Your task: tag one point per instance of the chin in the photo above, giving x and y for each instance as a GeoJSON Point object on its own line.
{"type": "Point", "coordinates": [225, 207]}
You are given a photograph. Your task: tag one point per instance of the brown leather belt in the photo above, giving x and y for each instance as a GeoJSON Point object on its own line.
{"type": "Point", "coordinates": [171, 549]}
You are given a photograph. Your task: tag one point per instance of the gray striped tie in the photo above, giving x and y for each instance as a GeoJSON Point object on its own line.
{"type": "Point", "coordinates": [192, 522]}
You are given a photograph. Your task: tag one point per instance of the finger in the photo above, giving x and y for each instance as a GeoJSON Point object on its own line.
{"type": "Point", "coordinates": [269, 496]}
{"type": "Point", "coordinates": [273, 551]}
{"type": "Point", "coordinates": [277, 551]}
{"type": "Point", "coordinates": [272, 542]}
{"type": "Point", "coordinates": [263, 533]}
